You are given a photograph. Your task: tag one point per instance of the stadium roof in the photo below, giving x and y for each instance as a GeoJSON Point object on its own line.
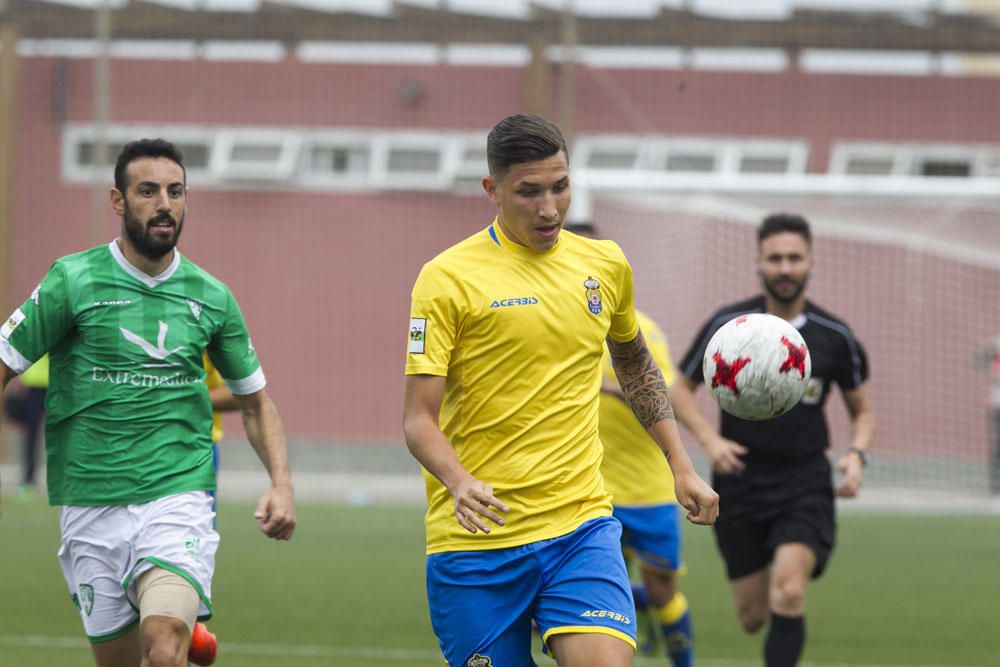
{"type": "Point", "coordinates": [900, 25]}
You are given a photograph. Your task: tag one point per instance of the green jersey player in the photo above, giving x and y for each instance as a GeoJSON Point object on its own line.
{"type": "Point", "coordinates": [128, 428]}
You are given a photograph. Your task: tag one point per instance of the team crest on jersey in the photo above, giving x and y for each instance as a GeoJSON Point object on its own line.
{"type": "Point", "coordinates": [814, 391]}
{"type": "Point", "coordinates": [418, 335]}
{"type": "Point", "coordinates": [86, 598]}
{"type": "Point", "coordinates": [480, 661]}
{"type": "Point", "coordinates": [593, 295]}
{"type": "Point", "coordinates": [195, 307]}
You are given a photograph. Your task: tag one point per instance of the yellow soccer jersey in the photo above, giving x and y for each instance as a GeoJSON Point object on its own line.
{"type": "Point", "coordinates": [518, 335]}
{"type": "Point", "coordinates": [635, 470]}
{"type": "Point", "coordinates": [214, 380]}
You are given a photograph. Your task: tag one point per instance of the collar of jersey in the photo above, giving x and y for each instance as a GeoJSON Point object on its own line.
{"type": "Point", "coordinates": [141, 276]}
{"type": "Point", "coordinates": [497, 235]}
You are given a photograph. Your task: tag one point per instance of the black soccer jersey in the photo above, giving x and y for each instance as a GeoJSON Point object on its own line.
{"type": "Point", "coordinates": [837, 356]}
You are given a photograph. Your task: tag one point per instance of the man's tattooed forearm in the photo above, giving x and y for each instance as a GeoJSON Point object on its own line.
{"type": "Point", "coordinates": [641, 380]}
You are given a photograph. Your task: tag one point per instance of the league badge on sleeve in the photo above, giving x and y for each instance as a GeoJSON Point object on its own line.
{"type": "Point", "coordinates": [8, 327]}
{"type": "Point", "coordinates": [418, 333]}
{"type": "Point", "coordinates": [593, 295]}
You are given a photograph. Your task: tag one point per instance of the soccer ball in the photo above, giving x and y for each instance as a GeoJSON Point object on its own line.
{"type": "Point", "coordinates": [757, 366]}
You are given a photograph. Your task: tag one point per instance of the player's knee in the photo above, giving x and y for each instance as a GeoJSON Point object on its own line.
{"type": "Point", "coordinates": [788, 597]}
{"type": "Point", "coordinates": [661, 590]}
{"type": "Point", "coordinates": [168, 595]}
{"type": "Point", "coordinates": [164, 642]}
{"type": "Point", "coordinates": [752, 616]}
{"type": "Point", "coordinates": [163, 655]}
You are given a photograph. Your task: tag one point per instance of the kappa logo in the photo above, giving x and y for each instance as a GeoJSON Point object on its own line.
{"type": "Point", "coordinates": [36, 293]}
{"type": "Point", "coordinates": [86, 598]}
{"type": "Point", "coordinates": [159, 352]}
{"type": "Point", "coordinates": [480, 661]}
{"type": "Point", "coordinates": [196, 308]}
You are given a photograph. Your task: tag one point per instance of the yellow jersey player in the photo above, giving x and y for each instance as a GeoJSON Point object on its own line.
{"type": "Point", "coordinates": [506, 334]}
{"type": "Point", "coordinates": [642, 486]}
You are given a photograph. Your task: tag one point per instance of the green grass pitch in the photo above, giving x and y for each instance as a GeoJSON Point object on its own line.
{"type": "Point", "coordinates": [349, 590]}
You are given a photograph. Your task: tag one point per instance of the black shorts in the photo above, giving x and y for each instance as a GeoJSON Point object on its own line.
{"type": "Point", "coordinates": [790, 504]}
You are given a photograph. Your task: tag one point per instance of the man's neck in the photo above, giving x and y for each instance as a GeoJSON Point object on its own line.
{"type": "Point", "coordinates": [151, 267]}
{"type": "Point", "coordinates": [786, 310]}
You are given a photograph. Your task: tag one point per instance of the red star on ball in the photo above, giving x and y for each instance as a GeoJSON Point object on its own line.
{"type": "Point", "coordinates": [796, 358]}
{"type": "Point", "coordinates": [725, 372]}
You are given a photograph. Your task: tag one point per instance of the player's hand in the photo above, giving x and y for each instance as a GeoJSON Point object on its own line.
{"type": "Point", "coordinates": [850, 467]}
{"type": "Point", "coordinates": [275, 513]}
{"type": "Point", "coordinates": [725, 455]}
{"type": "Point", "coordinates": [473, 503]}
{"type": "Point", "coordinates": [698, 498]}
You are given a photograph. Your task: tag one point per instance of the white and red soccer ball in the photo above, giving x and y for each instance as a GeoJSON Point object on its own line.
{"type": "Point", "coordinates": [757, 366]}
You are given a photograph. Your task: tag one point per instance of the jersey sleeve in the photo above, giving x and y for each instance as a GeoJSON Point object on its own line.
{"type": "Point", "coordinates": [232, 352]}
{"type": "Point", "coordinates": [852, 367]}
{"type": "Point", "coordinates": [39, 323]}
{"type": "Point", "coordinates": [434, 322]}
{"type": "Point", "coordinates": [624, 322]}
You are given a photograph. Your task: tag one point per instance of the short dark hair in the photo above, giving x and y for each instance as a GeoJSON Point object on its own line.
{"type": "Point", "coordinates": [523, 137]}
{"type": "Point", "coordinates": [777, 223]}
{"type": "Point", "coordinates": [141, 148]}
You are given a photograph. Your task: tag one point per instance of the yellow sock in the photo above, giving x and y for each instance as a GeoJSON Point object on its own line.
{"type": "Point", "coordinates": [674, 610]}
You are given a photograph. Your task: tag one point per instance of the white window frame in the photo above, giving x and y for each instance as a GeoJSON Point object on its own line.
{"type": "Point", "coordinates": [360, 179]}
{"type": "Point", "coordinates": [281, 169]}
{"type": "Point", "coordinates": [75, 134]}
{"type": "Point", "coordinates": [908, 157]}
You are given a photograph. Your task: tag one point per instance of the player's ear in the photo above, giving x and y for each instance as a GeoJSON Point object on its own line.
{"type": "Point", "coordinates": [117, 201]}
{"type": "Point", "coordinates": [490, 186]}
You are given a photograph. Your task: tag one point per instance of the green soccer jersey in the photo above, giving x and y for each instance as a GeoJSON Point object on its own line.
{"type": "Point", "coordinates": [128, 415]}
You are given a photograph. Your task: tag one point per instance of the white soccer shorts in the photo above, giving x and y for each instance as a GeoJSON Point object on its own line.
{"type": "Point", "coordinates": [105, 549]}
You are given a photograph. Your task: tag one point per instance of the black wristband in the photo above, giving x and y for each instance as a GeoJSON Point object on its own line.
{"type": "Point", "coordinates": [862, 454]}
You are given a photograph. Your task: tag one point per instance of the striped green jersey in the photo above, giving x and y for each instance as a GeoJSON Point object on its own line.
{"type": "Point", "coordinates": [128, 415]}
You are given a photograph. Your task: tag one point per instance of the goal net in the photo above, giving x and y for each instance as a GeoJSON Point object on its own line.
{"type": "Point", "coordinates": [917, 280]}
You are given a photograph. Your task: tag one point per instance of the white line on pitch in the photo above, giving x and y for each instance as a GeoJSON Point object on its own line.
{"type": "Point", "coordinates": [388, 653]}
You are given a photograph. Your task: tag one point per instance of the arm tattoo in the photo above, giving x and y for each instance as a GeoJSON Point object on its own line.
{"type": "Point", "coordinates": [641, 380]}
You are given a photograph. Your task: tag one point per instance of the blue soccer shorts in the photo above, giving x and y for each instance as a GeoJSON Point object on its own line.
{"type": "Point", "coordinates": [653, 534]}
{"type": "Point", "coordinates": [482, 602]}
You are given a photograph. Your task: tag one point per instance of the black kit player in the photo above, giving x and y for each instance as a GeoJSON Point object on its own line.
{"type": "Point", "coordinates": [776, 526]}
